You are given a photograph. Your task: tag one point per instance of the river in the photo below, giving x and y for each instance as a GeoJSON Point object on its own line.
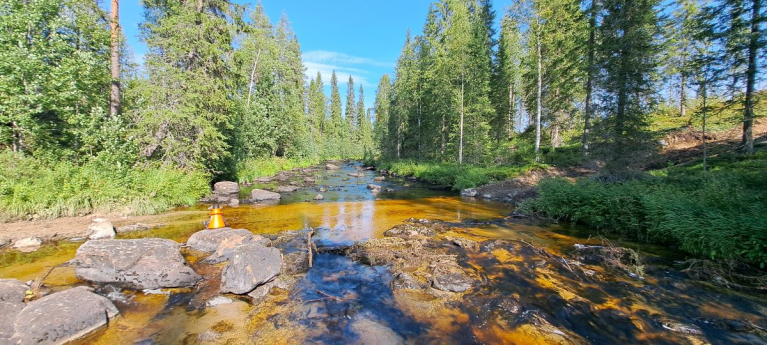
{"type": "Point", "coordinates": [530, 288]}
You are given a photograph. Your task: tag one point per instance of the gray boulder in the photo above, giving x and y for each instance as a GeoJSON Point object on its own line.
{"type": "Point", "coordinates": [210, 240]}
{"type": "Point", "coordinates": [286, 189]}
{"type": "Point", "coordinates": [9, 312]}
{"type": "Point", "coordinates": [226, 188]}
{"type": "Point", "coordinates": [261, 195]}
{"type": "Point", "coordinates": [251, 265]}
{"type": "Point", "coordinates": [12, 290]}
{"type": "Point", "coordinates": [319, 197]}
{"type": "Point", "coordinates": [332, 167]}
{"type": "Point", "coordinates": [149, 263]}
{"type": "Point", "coordinates": [62, 317]}
{"type": "Point", "coordinates": [469, 192]}
{"type": "Point", "coordinates": [101, 228]}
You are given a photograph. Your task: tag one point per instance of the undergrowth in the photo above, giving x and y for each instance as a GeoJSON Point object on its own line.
{"type": "Point", "coordinates": [718, 215]}
{"type": "Point", "coordinates": [249, 169]}
{"type": "Point", "coordinates": [453, 175]}
{"type": "Point", "coordinates": [34, 188]}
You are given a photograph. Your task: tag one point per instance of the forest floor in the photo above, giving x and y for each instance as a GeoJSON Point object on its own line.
{"type": "Point", "coordinates": [682, 146]}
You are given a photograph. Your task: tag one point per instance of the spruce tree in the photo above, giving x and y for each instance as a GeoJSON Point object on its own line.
{"type": "Point", "coordinates": [334, 141]}
{"type": "Point", "coordinates": [381, 125]}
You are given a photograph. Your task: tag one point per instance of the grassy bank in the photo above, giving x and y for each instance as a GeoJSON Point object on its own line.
{"type": "Point", "coordinates": [454, 176]}
{"type": "Point", "coordinates": [32, 187]}
{"type": "Point", "coordinates": [718, 215]}
{"type": "Point", "coordinates": [250, 169]}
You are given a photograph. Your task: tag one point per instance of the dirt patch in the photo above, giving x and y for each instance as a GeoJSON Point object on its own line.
{"type": "Point", "coordinates": [71, 227]}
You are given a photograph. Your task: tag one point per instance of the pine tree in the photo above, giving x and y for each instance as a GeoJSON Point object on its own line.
{"type": "Point", "coordinates": [381, 126]}
{"type": "Point", "coordinates": [336, 124]}
{"type": "Point", "coordinates": [364, 126]}
{"type": "Point", "coordinates": [350, 131]}
{"type": "Point", "coordinates": [318, 113]}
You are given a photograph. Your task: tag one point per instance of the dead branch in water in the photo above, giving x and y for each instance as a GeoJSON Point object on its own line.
{"type": "Point", "coordinates": [37, 284]}
{"type": "Point", "coordinates": [309, 246]}
{"type": "Point", "coordinates": [728, 273]}
{"type": "Point", "coordinates": [327, 295]}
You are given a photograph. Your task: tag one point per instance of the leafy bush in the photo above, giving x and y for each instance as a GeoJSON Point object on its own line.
{"type": "Point", "coordinates": [249, 169]}
{"type": "Point", "coordinates": [33, 187]}
{"type": "Point", "coordinates": [719, 215]}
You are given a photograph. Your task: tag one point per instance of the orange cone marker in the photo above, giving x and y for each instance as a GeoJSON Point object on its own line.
{"type": "Point", "coordinates": [216, 218]}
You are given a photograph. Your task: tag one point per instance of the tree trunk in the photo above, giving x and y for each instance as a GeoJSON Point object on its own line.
{"type": "Point", "coordinates": [682, 95]}
{"type": "Point", "coordinates": [510, 120]}
{"type": "Point", "coordinates": [253, 74]}
{"type": "Point", "coordinates": [589, 78]}
{"type": "Point", "coordinates": [705, 150]}
{"type": "Point", "coordinates": [460, 147]}
{"type": "Point", "coordinates": [753, 47]}
{"type": "Point", "coordinates": [555, 136]}
{"type": "Point", "coordinates": [114, 97]}
{"type": "Point", "coordinates": [538, 101]}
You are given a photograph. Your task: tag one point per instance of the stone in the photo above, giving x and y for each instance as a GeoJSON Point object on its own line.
{"type": "Point", "coordinates": [405, 281]}
{"type": "Point", "coordinates": [217, 301]}
{"type": "Point", "coordinates": [234, 202]}
{"type": "Point", "coordinates": [466, 243]}
{"type": "Point", "coordinates": [27, 245]}
{"type": "Point", "coordinates": [226, 248]}
{"type": "Point", "coordinates": [309, 180]}
{"type": "Point", "coordinates": [487, 196]}
{"type": "Point", "coordinates": [251, 265]}
{"type": "Point", "coordinates": [259, 293]}
{"type": "Point", "coordinates": [332, 167]}
{"type": "Point", "coordinates": [370, 332]}
{"type": "Point", "coordinates": [257, 195]}
{"type": "Point", "coordinates": [9, 312]}
{"type": "Point", "coordinates": [226, 188]}
{"type": "Point", "coordinates": [453, 282]}
{"type": "Point", "coordinates": [12, 290]}
{"type": "Point", "coordinates": [356, 174]}
{"type": "Point", "coordinates": [295, 254]}
{"type": "Point", "coordinates": [100, 229]}
{"type": "Point", "coordinates": [374, 187]}
{"type": "Point", "coordinates": [379, 178]}
{"type": "Point", "coordinates": [210, 240]}
{"type": "Point", "coordinates": [262, 179]}
{"type": "Point", "coordinates": [148, 263]}
{"type": "Point", "coordinates": [286, 189]}
{"type": "Point", "coordinates": [469, 192]}
{"type": "Point", "coordinates": [319, 197]}
{"type": "Point", "coordinates": [62, 317]}
{"type": "Point", "coordinates": [4, 242]}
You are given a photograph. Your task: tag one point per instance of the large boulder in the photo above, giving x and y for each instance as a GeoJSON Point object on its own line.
{"type": "Point", "coordinates": [26, 245]}
{"type": "Point", "coordinates": [209, 240]}
{"type": "Point", "coordinates": [149, 263]}
{"type": "Point", "coordinates": [257, 195]}
{"type": "Point", "coordinates": [62, 317]}
{"type": "Point", "coordinates": [469, 192]}
{"type": "Point", "coordinates": [295, 253]}
{"type": "Point", "coordinates": [332, 167]}
{"type": "Point", "coordinates": [12, 294]}
{"type": "Point", "coordinates": [226, 188]}
{"type": "Point", "coordinates": [101, 228]}
{"type": "Point", "coordinates": [251, 265]}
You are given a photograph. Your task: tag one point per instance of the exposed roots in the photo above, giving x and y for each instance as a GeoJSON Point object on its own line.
{"type": "Point", "coordinates": [729, 273]}
{"type": "Point", "coordinates": [624, 259]}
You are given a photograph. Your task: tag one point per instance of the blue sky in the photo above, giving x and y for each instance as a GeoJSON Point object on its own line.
{"type": "Point", "coordinates": [361, 38]}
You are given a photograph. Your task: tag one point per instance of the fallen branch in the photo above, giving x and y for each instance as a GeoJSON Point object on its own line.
{"type": "Point", "coordinates": [309, 246]}
{"type": "Point", "coordinates": [337, 299]}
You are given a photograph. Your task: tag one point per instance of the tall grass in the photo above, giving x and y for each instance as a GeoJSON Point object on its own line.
{"type": "Point", "coordinates": [32, 187]}
{"type": "Point", "coordinates": [452, 175]}
{"type": "Point", "coordinates": [249, 169]}
{"type": "Point", "coordinates": [719, 215]}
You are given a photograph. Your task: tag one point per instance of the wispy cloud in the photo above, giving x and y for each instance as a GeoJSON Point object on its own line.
{"type": "Point", "coordinates": [342, 73]}
{"type": "Point", "coordinates": [336, 58]}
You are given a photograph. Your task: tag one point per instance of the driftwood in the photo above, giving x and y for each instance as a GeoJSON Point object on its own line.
{"type": "Point", "coordinates": [309, 246]}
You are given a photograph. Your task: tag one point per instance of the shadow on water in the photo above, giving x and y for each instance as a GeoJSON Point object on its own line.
{"type": "Point", "coordinates": [337, 293]}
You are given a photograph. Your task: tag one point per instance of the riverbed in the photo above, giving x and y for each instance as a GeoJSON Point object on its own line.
{"type": "Point", "coordinates": [530, 288]}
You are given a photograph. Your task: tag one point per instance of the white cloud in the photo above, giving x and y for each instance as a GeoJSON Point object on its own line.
{"type": "Point", "coordinates": [336, 58]}
{"type": "Point", "coordinates": [342, 73]}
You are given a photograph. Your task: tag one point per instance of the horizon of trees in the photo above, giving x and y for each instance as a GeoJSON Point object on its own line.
{"type": "Point", "coordinates": [222, 85]}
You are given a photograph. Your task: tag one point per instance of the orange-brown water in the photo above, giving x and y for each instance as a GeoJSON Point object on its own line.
{"type": "Point", "coordinates": [527, 296]}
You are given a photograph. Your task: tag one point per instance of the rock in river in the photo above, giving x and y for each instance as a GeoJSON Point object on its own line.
{"type": "Point", "coordinates": [26, 245]}
{"type": "Point", "coordinates": [286, 189]}
{"type": "Point", "coordinates": [149, 263]}
{"type": "Point", "coordinates": [332, 167]}
{"type": "Point", "coordinates": [251, 265]}
{"type": "Point", "coordinates": [469, 192]}
{"type": "Point", "coordinates": [62, 317]}
{"type": "Point", "coordinates": [257, 195]}
{"type": "Point", "coordinates": [12, 290]}
{"type": "Point", "coordinates": [101, 228]}
{"type": "Point", "coordinates": [12, 294]}
{"type": "Point", "coordinates": [209, 240]}
{"type": "Point", "coordinates": [226, 188]}
{"type": "Point", "coordinates": [453, 282]}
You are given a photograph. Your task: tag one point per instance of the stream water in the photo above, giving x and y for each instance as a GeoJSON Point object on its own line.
{"type": "Point", "coordinates": [528, 291]}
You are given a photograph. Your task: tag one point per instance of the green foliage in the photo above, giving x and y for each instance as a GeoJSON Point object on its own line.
{"type": "Point", "coordinates": [455, 176]}
{"type": "Point", "coordinates": [32, 187]}
{"type": "Point", "coordinates": [249, 169]}
{"type": "Point", "coordinates": [719, 215]}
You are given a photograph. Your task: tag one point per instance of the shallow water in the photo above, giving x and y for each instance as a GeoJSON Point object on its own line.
{"type": "Point", "coordinates": [526, 295]}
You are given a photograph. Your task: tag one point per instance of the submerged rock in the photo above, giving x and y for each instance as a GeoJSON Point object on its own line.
{"type": "Point", "coordinates": [62, 317]}
{"type": "Point", "coordinates": [379, 178]}
{"type": "Point", "coordinates": [148, 263]}
{"type": "Point", "coordinates": [453, 282]}
{"type": "Point", "coordinates": [319, 197]}
{"type": "Point", "coordinates": [405, 280]}
{"type": "Point", "coordinates": [257, 195]}
{"type": "Point", "coordinates": [218, 300]}
{"type": "Point", "coordinates": [295, 253]}
{"type": "Point", "coordinates": [374, 187]}
{"type": "Point", "coordinates": [251, 265]}
{"type": "Point", "coordinates": [27, 245]}
{"type": "Point", "coordinates": [332, 167]}
{"type": "Point", "coordinates": [370, 332]}
{"type": "Point", "coordinates": [101, 228]}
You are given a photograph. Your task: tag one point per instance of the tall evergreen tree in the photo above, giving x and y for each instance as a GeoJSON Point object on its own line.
{"type": "Point", "coordinates": [381, 126]}
{"type": "Point", "coordinates": [335, 126]}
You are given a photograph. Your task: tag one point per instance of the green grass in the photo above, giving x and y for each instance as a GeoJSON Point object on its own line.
{"type": "Point", "coordinates": [250, 169]}
{"type": "Point", "coordinates": [455, 176]}
{"type": "Point", "coordinates": [717, 215]}
{"type": "Point", "coordinates": [33, 187]}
